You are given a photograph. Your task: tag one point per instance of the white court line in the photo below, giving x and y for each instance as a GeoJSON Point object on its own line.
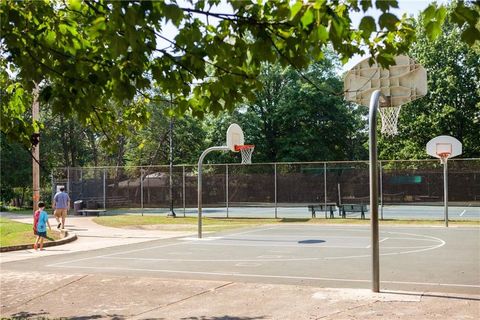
{"type": "Point", "coordinates": [251, 231]}
{"type": "Point", "coordinates": [381, 240]}
{"type": "Point", "coordinates": [200, 239]}
{"type": "Point", "coordinates": [141, 249]}
{"type": "Point", "coordinates": [442, 243]}
{"type": "Point", "coordinates": [307, 246]}
{"type": "Point", "coordinates": [300, 236]}
{"type": "Point", "coordinates": [461, 214]}
{"type": "Point", "coordinates": [112, 254]}
{"type": "Point", "coordinates": [279, 277]}
{"type": "Point", "coordinates": [259, 259]}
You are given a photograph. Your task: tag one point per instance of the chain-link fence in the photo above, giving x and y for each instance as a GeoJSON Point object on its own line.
{"type": "Point", "coordinates": [272, 185]}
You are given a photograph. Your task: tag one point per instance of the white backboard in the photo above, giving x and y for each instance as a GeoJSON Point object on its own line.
{"type": "Point", "coordinates": [444, 144]}
{"type": "Point", "coordinates": [234, 137]}
{"type": "Point", "coordinates": [403, 82]}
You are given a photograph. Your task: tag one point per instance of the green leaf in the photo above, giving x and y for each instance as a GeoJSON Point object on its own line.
{"type": "Point", "coordinates": [63, 28]}
{"type": "Point", "coordinates": [388, 21]}
{"type": "Point", "coordinates": [367, 25]}
{"type": "Point", "coordinates": [429, 13]}
{"type": "Point", "coordinates": [307, 18]}
{"type": "Point", "coordinates": [385, 5]}
{"type": "Point", "coordinates": [50, 37]}
{"type": "Point", "coordinates": [471, 35]}
{"type": "Point", "coordinates": [366, 4]}
{"type": "Point", "coordinates": [75, 4]}
{"type": "Point", "coordinates": [441, 14]}
{"type": "Point", "coordinates": [322, 33]}
{"type": "Point", "coordinates": [433, 30]}
{"type": "Point", "coordinates": [174, 13]}
{"type": "Point", "coordinates": [465, 14]}
{"type": "Point", "coordinates": [295, 9]}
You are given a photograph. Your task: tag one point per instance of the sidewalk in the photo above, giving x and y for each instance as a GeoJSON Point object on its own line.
{"type": "Point", "coordinates": [90, 235]}
{"type": "Point", "coordinates": [49, 295]}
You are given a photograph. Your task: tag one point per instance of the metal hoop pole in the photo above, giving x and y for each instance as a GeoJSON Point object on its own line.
{"type": "Point", "coordinates": [199, 194]}
{"type": "Point", "coordinates": [275, 188]}
{"type": "Point", "coordinates": [325, 185]}
{"type": "Point", "coordinates": [104, 190]}
{"type": "Point", "coordinates": [445, 191]}
{"type": "Point", "coordinates": [170, 175]}
{"type": "Point", "coordinates": [373, 110]}
{"type": "Point", "coordinates": [226, 187]}
{"type": "Point", "coordinates": [183, 189]}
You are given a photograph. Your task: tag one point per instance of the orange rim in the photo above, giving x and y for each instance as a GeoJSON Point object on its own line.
{"type": "Point", "coordinates": [244, 146]}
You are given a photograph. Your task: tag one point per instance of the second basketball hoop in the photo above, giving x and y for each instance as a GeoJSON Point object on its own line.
{"type": "Point", "coordinates": [236, 143]}
{"type": "Point", "coordinates": [246, 151]}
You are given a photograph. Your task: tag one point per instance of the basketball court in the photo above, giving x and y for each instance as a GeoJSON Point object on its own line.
{"type": "Point", "coordinates": [419, 259]}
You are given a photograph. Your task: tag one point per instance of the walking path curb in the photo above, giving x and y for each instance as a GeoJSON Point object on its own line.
{"type": "Point", "coordinates": [68, 238]}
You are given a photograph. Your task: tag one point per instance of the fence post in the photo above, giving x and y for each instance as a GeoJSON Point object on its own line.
{"type": "Point", "coordinates": [381, 189]}
{"type": "Point", "coordinates": [104, 189]}
{"type": "Point", "coordinates": [275, 185]}
{"type": "Point", "coordinates": [226, 186]}
{"type": "Point", "coordinates": [141, 189]}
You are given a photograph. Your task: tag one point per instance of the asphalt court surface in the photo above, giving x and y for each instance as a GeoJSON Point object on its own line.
{"type": "Point", "coordinates": [426, 259]}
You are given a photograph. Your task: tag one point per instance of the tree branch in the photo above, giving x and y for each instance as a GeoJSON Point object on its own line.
{"type": "Point", "coordinates": [300, 73]}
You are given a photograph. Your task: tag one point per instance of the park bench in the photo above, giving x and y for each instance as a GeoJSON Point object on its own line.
{"type": "Point", "coordinates": [86, 212]}
{"type": "Point", "coordinates": [313, 208]}
{"type": "Point", "coordinates": [362, 208]}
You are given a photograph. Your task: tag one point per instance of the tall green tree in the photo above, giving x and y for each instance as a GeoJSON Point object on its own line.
{"type": "Point", "coordinates": [296, 116]}
{"type": "Point", "coordinates": [15, 171]}
{"type": "Point", "coordinates": [304, 120]}
{"type": "Point", "coordinates": [85, 54]}
{"type": "Point", "coordinates": [151, 144]}
{"type": "Point", "coordinates": [452, 104]}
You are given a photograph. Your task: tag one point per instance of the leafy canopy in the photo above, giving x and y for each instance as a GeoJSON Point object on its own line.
{"type": "Point", "coordinates": [98, 60]}
{"type": "Point", "coordinates": [452, 104]}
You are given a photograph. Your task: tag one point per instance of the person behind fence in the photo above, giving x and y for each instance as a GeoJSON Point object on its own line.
{"type": "Point", "coordinates": [41, 226]}
{"type": "Point", "coordinates": [61, 203]}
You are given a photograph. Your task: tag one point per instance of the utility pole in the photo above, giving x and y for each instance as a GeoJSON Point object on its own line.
{"type": "Point", "coordinates": [36, 150]}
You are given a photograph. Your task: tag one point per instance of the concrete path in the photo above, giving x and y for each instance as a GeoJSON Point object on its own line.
{"type": "Point", "coordinates": [46, 294]}
{"type": "Point", "coordinates": [91, 236]}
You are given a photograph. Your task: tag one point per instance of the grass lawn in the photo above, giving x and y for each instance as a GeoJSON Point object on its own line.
{"type": "Point", "coordinates": [178, 224]}
{"type": "Point", "coordinates": [218, 224]}
{"type": "Point", "coordinates": [15, 233]}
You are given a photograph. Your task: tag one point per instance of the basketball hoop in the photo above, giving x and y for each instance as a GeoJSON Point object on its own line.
{"type": "Point", "coordinates": [401, 83]}
{"type": "Point", "coordinates": [444, 157]}
{"type": "Point", "coordinates": [389, 117]}
{"type": "Point", "coordinates": [246, 151]}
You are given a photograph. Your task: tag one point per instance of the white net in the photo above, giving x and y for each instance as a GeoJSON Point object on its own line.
{"type": "Point", "coordinates": [444, 157]}
{"type": "Point", "coordinates": [389, 119]}
{"type": "Point", "coordinates": [246, 152]}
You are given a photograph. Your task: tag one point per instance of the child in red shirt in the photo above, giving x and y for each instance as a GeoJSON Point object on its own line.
{"type": "Point", "coordinates": [36, 214]}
